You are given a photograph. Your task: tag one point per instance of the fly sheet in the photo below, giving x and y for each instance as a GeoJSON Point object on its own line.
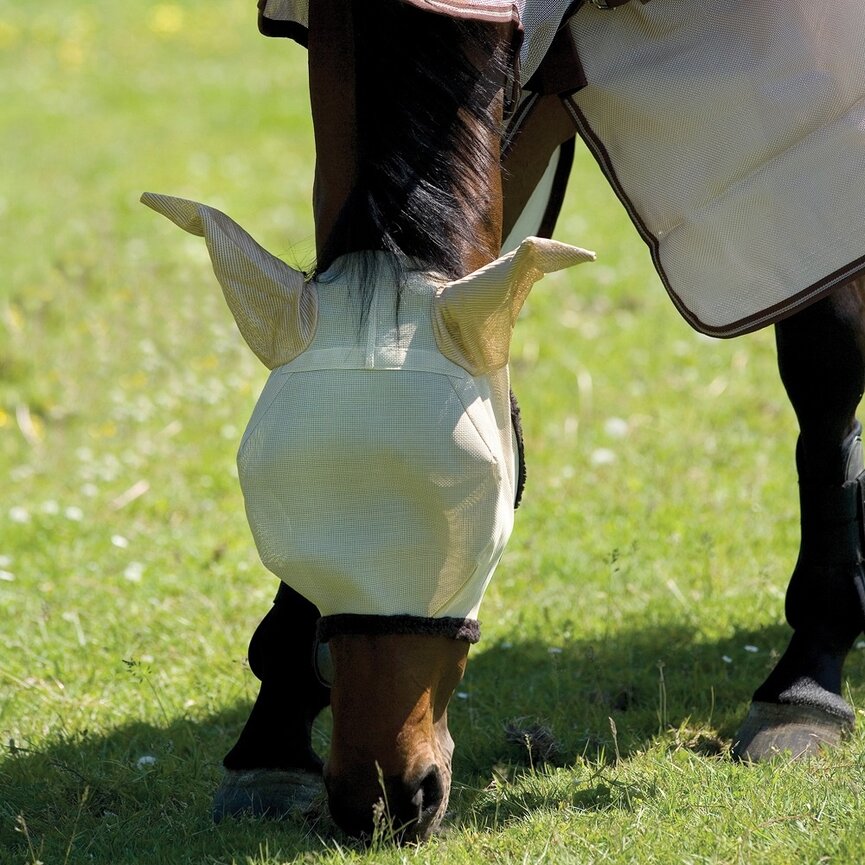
{"type": "Point", "coordinates": [733, 133]}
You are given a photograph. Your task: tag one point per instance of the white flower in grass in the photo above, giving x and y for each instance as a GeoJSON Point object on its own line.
{"type": "Point", "coordinates": [145, 760]}
{"type": "Point", "coordinates": [50, 507]}
{"type": "Point", "coordinates": [133, 572]}
{"type": "Point", "coordinates": [119, 541]}
{"type": "Point", "coordinates": [752, 649]}
{"type": "Point", "coordinates": [19, 515]}
{"type": "Point", "coordinates": [6, 576]}
{"type": "Point", "coordinates": [602, 457]}
{"type": "Point", "coordinates": [726, 659]}
{"type": "Point", "coordinates": [74, 513]}
{"type": "Point", "coordinates": [616, 427]}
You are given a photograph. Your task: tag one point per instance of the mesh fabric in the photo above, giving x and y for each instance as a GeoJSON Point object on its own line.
{"type": "Point", "coordinates": [378, 468]}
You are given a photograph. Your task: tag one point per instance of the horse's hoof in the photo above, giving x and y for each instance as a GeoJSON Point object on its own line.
{"type": "Point", "coordinates": [271, 793]}
{"type": "Point", "coordinates": [772, 729]}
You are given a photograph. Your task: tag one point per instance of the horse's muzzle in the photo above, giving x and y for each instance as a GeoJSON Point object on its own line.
{"type": "Point", "coordinates": [399, 809]}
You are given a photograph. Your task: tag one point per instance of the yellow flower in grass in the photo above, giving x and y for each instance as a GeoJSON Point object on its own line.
{"type": "Point", "coordinates": [135, 381]}
{"type": "Point", "coordinates": [71, 53]}
{"type": "Point", "coordinates": [210, 361]}
{"type": "Point", "coordinates": [107, 430]}
{"type": "Point", "coordinates": [166, 19]}
{"type": "Point", "coordinates": [8, 34]}
{"type": "Point", "coordinates": [14, 317]}
{"type": "Point", "coordinates": [72, 35]}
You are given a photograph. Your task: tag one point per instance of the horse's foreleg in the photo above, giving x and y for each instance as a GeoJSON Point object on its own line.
{"type": "Point", "coordinates": [272, 769]}
{"type": "Point", "coordinates": [821, 357]}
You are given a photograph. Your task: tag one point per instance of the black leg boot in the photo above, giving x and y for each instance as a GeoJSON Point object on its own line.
{"type": "Point", "coordinates": [799, 707]}
{"type": "Point", "coordinates": [272, 770]}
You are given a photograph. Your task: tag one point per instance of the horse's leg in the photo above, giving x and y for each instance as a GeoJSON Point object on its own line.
{"type": "Point", "coordinates": [821, 357]}
{"type": "Point", "coordinates": [272, 769]}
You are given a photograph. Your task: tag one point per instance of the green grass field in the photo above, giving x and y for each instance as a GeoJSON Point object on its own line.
{"type": "Point", "coordinates": [640, 601]}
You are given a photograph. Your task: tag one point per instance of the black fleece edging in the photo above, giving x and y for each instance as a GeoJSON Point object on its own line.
{"type": "Point", "coordinates": [468, 630]}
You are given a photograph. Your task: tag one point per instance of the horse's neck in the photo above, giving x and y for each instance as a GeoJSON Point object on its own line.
{"type": "Point", "coordinates": [332, 100]}
{"type": "Point", "coordinates": [340, 89]}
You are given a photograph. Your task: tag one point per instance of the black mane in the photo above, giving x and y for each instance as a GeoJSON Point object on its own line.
{"type": "Point", "coordinates": [420, 96]}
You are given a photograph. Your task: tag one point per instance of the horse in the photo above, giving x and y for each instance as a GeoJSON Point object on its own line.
{"type": "Point", "coordinates": [431, 168]}
{"type": "Point", "coordinates": [381, 467]}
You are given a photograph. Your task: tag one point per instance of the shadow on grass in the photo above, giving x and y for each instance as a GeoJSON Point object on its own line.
{"type": "Point", "coordinates": [647, 680]}
{"type": "Point", "coordinates": [596, 702]}
{"type": "Point", "coordinates": [142, 793]}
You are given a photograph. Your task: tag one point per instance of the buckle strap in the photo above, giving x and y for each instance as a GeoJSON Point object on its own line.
{"type": "Point", "coordinates": [827, 506]}
{"type": "Point", "coordinates": [826, 593]}
{"type": "Point", "coordinates": [833, 523]}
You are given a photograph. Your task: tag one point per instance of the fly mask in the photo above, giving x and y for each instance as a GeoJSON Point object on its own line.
{"type": "Point", "coordinates": [378, 468]}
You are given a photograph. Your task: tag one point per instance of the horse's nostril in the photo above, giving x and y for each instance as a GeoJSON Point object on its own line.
{"type": "Point", "coordinates": [429, 794]}
{"type": "Point", "coordinates": [412, 809]}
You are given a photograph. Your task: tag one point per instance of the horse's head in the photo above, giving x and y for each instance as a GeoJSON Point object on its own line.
{"type": "Point", "coordinates": [380, 466]}
{"type": "Point", "coordinates": [379, 471]}
{"type": "Point", "coordinates": [391, 749]}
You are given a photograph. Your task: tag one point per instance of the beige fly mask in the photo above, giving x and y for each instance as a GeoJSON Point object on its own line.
{"type": "Point", "coordinates": [378, 468]}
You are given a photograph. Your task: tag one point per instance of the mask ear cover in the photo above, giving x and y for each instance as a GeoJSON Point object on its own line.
{"type": "Point", "coordinates": [276, 310]}
{"type": "Point", "coordinates": [474, 317]}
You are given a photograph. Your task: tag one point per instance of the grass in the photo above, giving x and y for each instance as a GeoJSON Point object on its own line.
{"type": "Point", "coordinates": [640, 601]}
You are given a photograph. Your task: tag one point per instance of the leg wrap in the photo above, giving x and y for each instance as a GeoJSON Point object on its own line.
{"type": "Point", "coordinates": [272, 770]}
{"type": "Point", "coordinates": [826, 595]}
{"type": "Point", "coordinates": [799, 708]}
{"type": "Point", "coordinates": [277, 733]}
{"type": "Point", "coordinates": [821, 358]}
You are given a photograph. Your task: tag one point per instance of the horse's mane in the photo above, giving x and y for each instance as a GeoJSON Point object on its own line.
{"type": "Point", "coordinates": [421, 99]}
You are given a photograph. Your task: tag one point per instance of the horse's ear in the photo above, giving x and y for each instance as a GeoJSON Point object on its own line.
{"type": "Point", "coordinates": [275, 310]}
{"type": "Point", "coordinates": [474, 317]}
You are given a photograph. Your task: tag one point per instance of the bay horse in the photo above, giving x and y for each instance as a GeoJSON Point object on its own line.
{"type": "Point", "coordinates": [381, 466]}
{"type": "Point", "coordinates": [411, 138]}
